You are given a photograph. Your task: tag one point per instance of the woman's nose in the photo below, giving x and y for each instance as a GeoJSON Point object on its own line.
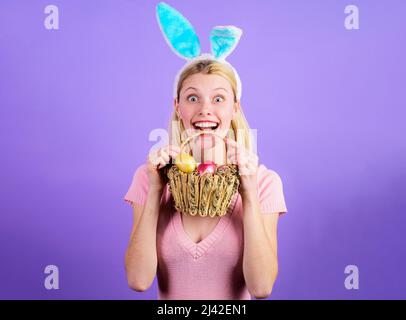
{"type": "Point", "coordinates": [206, 108]}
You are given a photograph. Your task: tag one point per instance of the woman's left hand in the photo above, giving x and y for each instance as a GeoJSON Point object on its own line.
{"type": "Point", "coordinates": [247, 163]}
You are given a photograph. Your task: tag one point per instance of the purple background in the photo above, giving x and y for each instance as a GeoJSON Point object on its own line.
{"type": "Point", "coordinates": [78, 103]}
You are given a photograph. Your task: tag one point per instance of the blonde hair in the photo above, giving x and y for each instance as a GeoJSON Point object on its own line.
{"type": "Point", "coordinates": [240, 130]}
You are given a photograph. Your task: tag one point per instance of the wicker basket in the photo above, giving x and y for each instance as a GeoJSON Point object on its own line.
{"type": "Point", "coordinates": [209, 194]}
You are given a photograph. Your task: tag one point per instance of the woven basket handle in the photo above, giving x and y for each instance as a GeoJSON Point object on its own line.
{"type": "Point", "coordinates": [198, 134]}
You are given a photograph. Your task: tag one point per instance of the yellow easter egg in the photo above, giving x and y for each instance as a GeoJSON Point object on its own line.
{"type": "Point", "coordinates": [185, 162]}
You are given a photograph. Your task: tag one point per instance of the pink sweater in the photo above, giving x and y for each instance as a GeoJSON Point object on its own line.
{"type": "Point", "coordinates": [212, 268]}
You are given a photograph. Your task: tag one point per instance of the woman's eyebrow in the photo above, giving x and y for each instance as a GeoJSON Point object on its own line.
{"type": "Point", "coordinates": [220, 88]}
{"type": "Point", "coordinates": [191, 88]}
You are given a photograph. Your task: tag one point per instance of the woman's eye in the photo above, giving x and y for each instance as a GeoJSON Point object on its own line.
{"type": "Point", "coordinates": [192, 98]}
{"type": "Point", "coordinates": [218, 99]}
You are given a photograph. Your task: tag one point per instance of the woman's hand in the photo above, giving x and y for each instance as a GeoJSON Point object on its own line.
{"type": "Point", "coordinates": [157, 159]}
{"type": "Point", "coordinates": [247, 163]}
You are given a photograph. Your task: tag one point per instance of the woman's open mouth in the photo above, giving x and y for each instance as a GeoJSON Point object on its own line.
{"type": "Point", "coordinates": [205, 125]}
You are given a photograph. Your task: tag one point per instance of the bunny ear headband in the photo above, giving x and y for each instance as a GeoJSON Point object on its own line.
{"type": "Point", "coordinates": [183, 40]}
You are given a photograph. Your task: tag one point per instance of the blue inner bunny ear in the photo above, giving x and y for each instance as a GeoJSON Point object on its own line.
{"type": "Point", "coordinates": [178, 31]}
{"type": "Point", "coordinates": [223, 40]}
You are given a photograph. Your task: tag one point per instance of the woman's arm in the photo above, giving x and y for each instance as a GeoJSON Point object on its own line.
{"type": "Point", "coordinates": [141, 259]}
{"type": "Point", "coordinates": [141, 255]}
{"type": "Point", "coordinates": [260, 261]}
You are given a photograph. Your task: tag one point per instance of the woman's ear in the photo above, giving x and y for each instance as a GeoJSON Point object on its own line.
{"type": "Point", "coordinates": [176, 106]}
{"type": "Point", "coordinates": [236, 108]}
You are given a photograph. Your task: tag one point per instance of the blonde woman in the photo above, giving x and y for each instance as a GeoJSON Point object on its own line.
{"type": "Point", "coordinates": [229, 257]}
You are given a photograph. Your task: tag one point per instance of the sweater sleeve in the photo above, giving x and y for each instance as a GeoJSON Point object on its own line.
{"type": "Point", "coordinates": [270, 191]}
{"type": "Point", "coordinates": [137, 192]}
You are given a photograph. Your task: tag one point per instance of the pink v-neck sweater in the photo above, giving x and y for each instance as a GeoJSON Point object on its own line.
{"type": "Point", "coordinates": [212, 268]}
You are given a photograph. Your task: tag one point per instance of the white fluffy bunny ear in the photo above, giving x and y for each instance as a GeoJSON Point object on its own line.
{"type": "Point", "coordinates": [223, 40]}
{"type": "Point", "coordinates": [178, 32]}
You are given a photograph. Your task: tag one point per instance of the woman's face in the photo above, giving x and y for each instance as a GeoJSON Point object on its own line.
{"type": "Point", "coordinates": [206, 103]}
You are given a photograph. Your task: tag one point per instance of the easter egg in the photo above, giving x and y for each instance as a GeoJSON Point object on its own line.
{"type": "Point", "coordinates": [207, 167]}
{"type": "Point", "coordinates": [185, 162]}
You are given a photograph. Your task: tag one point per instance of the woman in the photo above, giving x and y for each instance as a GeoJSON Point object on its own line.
{"type": "Point", "coordinates": [194, 257]}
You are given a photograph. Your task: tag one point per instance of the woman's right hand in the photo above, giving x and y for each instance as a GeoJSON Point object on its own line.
{"type": "Point", "coordinates": [157, 159]}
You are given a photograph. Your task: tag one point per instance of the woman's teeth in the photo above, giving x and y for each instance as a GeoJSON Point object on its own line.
{"type": "Point", "coordinates": [205, 125]}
